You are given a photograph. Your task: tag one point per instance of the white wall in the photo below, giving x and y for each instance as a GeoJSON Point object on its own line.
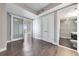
{"type": "Point", "coordinates": [8, 27]}
{"type": "Point", "coordinates": [37, 28]}
{"type": "Point", "coordinates": [3, 27]}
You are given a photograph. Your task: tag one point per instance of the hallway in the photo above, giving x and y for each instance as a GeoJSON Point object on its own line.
{"type": "Point", "coordinates": [30, 31]}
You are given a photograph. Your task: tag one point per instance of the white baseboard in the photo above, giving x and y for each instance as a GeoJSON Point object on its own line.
{"type": "Point", "coordinates": [37, 38]}
{"type": "Point", "coordinates": [4, 49]}
{"type": "Point", "coordinates": [66, 37]}
{"type": "Point", "coordinates": [60, 45]}
{"type": "Point", "coordinates": [46, 41]}
{"type": "Point", "coordinates": [15, 40]}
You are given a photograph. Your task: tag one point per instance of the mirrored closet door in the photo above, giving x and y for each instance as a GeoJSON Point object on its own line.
{"type": "Point", "coordinates": [68, 26]}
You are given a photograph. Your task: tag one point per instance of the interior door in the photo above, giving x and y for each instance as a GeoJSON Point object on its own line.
{"type": "Point", "coordinates": [51, 27]}
{"type": "Point", "coordinates": [48, 28]}
{"type": "Point", "coordinates": [45, 35]}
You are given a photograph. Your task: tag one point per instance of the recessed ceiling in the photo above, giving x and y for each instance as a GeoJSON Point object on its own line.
{"type": "Point", "coordinates": [30, 10]}
{"type": "Point", "coordinates": [36, 6]}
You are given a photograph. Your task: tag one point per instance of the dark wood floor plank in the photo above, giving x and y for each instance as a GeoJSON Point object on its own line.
{"type": "Point", "coordinates": [36, 48]}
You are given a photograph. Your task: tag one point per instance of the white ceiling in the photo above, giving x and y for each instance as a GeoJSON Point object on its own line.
{"type": "Point", "coordinates": [16, 10]}
{"type": "Point", "coordinates": [28, 10]}
{"type": "Point", "coordinates": [36, 6]}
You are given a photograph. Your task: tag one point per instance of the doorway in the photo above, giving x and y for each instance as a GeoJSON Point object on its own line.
{"type": "Point", "coordinates": [20, 27]}
{"type": "Point", "coordinates": [16, 28]}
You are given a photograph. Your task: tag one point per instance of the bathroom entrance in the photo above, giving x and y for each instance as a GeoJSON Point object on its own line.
{"type": "Point", "coordinates": [68, 27]}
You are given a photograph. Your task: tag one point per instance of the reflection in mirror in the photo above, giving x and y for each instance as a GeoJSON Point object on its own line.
{"type": "Point", "coordinates": [68, 28]}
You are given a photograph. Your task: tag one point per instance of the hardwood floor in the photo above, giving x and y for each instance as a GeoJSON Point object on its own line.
{"type": "Point", "coordinates": [36, 47]}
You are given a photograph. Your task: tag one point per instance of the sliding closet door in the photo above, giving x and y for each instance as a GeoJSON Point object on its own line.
{"type": "Point", "coordinates": [48, 28]}
{"type": "Point", "coordinates": [51, 27]}
{"type": "Point", "coordinates": [45, 29]}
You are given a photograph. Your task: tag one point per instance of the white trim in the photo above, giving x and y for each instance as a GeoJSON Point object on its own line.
{"type": "Point", "coordinates": [15, 40]}
{"type": "Point", "coordinates": [67, 48]}
{"type": "Point", "coordinates": [4, 49]}
{"type": "Point", "coordinates": [12, 29]}
{"type": "Point", "coordinates": [18, 16]}
{"type": "Point", "coordinates": [50, 42]}
{"type": "Point", "coordinates": [64, 47]}
{"type": "Point", "coordinates": [60, 45]}
{"type": "Point", "coordinates": [54, 9]}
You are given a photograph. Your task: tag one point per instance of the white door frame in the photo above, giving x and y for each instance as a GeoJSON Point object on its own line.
{"type": "Point", "coordinates": [12, 28]}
